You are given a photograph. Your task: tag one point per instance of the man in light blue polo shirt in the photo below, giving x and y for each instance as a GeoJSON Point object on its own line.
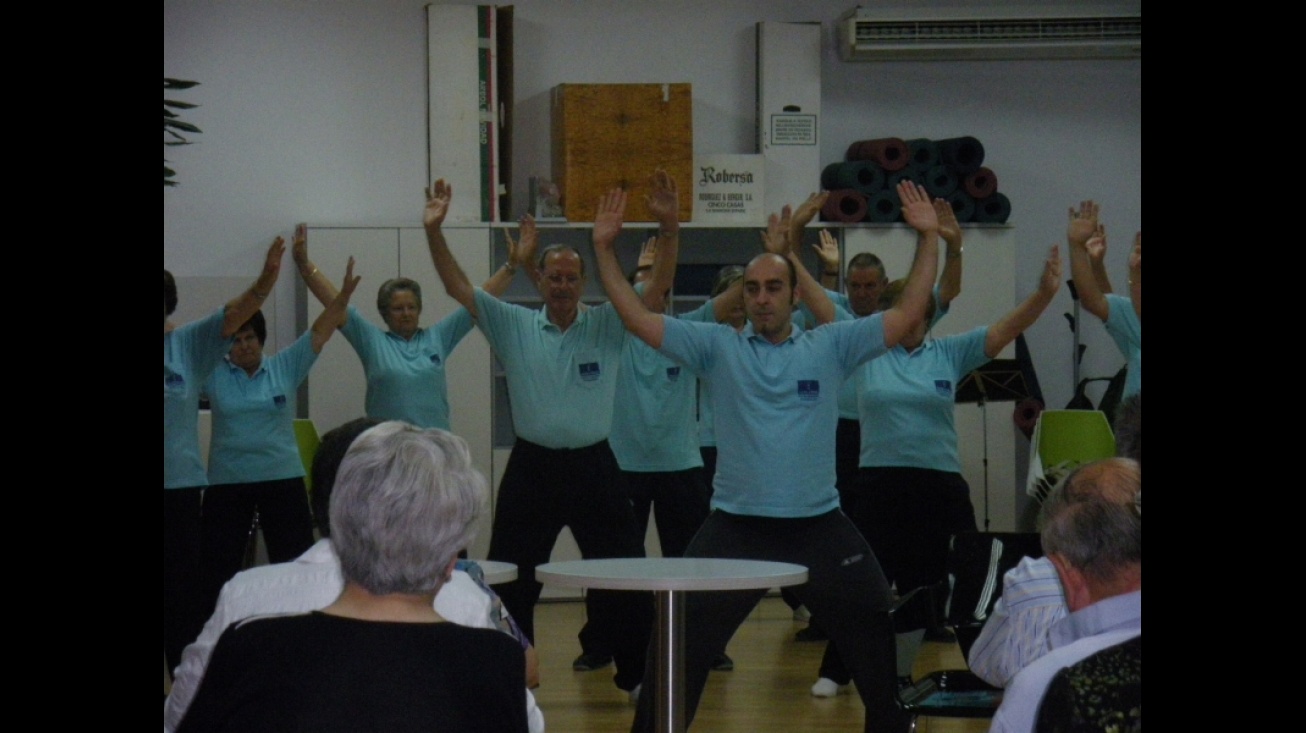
{"type": "Point", "coordinates": [561, 363]}
{"type": "Point", "coordinates": [774, 390]}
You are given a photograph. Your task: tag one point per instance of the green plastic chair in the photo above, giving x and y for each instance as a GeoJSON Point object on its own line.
{"type": "Point", "coordinates": [1065, 440]}
{"type": "Point", "coordinates": [307, 438]}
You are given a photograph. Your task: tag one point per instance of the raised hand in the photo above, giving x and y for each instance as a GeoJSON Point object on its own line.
{"type": "Point", "coordinates": [1083, 223]}
{"type": "Point", "coordinates": [828, 250]}
{"type": "Point", "coordinates": [1136, 259]}
{"type": "Point", "coordinates": [299, 245]}
{"type": "Point", "coordinates": [808, 210]}
{"type": "Point", "coordinates": [609, 217]}
{"type": "Point", "coordinates": [917, 210]}
{"type": "Point", "coordinates": [776, 237]}
{"type": "Point", "coordinates": [438, 197]}
{"type": "Point", "coordinates": [522, 253]}
{"type": "Point", "coordinates": [648, 254]}
{"type": "Point", "coordinates": [1096, 245]}
{"type": "Point", "coordinates": [663, 200]}
{"type": "Point", "coordinates": [949, 229]}
{"type": "Point", "coordinates": [350, 282]}
{"type": "Point", "coordinates": [1051, 280]}
{"type": "Point", "coordinates": [272, 264]}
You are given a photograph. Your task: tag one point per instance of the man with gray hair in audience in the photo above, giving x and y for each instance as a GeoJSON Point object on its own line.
{"type": "Point", "coordinates": [1092, 531]}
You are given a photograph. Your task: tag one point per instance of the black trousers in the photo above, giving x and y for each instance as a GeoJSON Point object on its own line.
{"type": "Point", "coordinates": [546, 489]}
{"type": "Point", "coordinates": [228, 513]}
{"type": "Point", "coordinates": [678, 498]}
{"type": "Point", "coordinates": [845, 587]}
{"type": "Point", "coordinates": [908, 515]}
{"type": "Point", "coordinates": [183, 616]}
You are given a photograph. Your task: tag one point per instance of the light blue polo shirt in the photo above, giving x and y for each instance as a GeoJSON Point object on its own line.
{"type": "Point", "coordinates": [775, 407]}
{"type": "Point", "coordinates": [653, 427]}
{"type": "Point", "coordinates": [705, 313]}
{"type": "Point", "coordinates": [1127, 331]}
{"type": "Point", "coordinates": [907, 401]}
{"type": "Point", "coordinates": [561, 384]}
{"type": "Point", "coordinates": [254, 417]}
{"type": "Point", "coordinates": [190, 353]}
{"type": "Point", "coordinates": [406, 379]}
{"type": "Point", "coordinates": [842, 312]}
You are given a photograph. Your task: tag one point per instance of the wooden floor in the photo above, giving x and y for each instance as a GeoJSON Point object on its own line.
{"type": "Point", "coordinates": [767, 691]}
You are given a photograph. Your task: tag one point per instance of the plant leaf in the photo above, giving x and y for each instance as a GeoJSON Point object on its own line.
{"type": "Point", "coordinates": [178, 105]}
{"type": "Point", "coordinates": [178, 83]}
{"type": "Point", "coordinates": [180, 125]}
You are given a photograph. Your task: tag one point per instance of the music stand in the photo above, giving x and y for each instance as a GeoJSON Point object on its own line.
{"type": "Point", "coordinates": [1000, 380]}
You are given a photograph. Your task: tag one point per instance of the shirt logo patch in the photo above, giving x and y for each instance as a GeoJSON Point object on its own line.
{"type": "Point", "coordinates": [943, 387]}
{"type": "Point", "coordinates": [673, 373]}
{"type": "Point", "coordinates": [279, 400]}
{"type": "Point", "coordinates": [435, 359]}
{"type": "Point", "coordinates": [589, 371]}
{"type": "Point", "coordinates": [809, 390]}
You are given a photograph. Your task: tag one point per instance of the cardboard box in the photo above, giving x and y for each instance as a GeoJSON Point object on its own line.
{"type": "Point", "coordinates": [615, 135]}
{"type": "Point", "coordinates": [729, 189]}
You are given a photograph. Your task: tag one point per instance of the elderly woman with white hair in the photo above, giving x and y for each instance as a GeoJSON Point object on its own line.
{"type": "Point", "coordinates": [379, 657]}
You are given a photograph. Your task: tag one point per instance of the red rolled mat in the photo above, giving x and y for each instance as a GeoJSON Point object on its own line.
{"type": "Point", "coordinates": [891, 153]}
{"type": "Point", "coordinates": [981, 184]}
{"type": "Point", "coordinates": [846, 205]}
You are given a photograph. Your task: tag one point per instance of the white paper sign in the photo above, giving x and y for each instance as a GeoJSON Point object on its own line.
{"type": "Point", "coordinates": [729, 189]}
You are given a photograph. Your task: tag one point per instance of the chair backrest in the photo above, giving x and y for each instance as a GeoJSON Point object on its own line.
{"type": "Point", "coordinates": [1103, 691]}
{"type": "Point", "coordinates": [1074, 435]}
{"type": "Point", "coordinates": [976, 563]}
{"type": "Point", "coordinates": [307, 438]}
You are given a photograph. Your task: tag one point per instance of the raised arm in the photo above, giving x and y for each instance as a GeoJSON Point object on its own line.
{"type": "Point", "coordinates": [1136, 275]}
{"type": "Point", "coordinates": [663, 202]}
{"type": "Point", "coordinates": [314, 279]}
{"type": "Point", "coordinates": [638, 319]}
{"type": "Point", "coordinates": [729, 301]}
{"type": "Point", "coordinates": [950, 231]}
{"type": "Point", "coordinates": [828, 251]}
{"type": "Point", "coordinates": [920, 215]}
{"type": "Point", "coordinates": [521, 255]}
{"type": "Point", "coordinates": [1014, 323]}
{"type": "Point", "coordinates": [334, 315]}
{"type": "Point", "coordinates": [1097, 258]}
{"type": "Point", "coordinates": [243, 306]}
{"type": "Point", "coordinates": [786, 241]}
{"type": "Point", "coordinates": [451, 274]}
{"type": "Point", "coordinates": [1081, 227]}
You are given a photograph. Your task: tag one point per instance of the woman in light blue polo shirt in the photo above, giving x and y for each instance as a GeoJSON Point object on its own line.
{"type": "Point", "coordinates": [405, 363]}
{"type": "Point", "coordinates": [254, 462]}
{"type": "Point", "coordinates": [915, 497]}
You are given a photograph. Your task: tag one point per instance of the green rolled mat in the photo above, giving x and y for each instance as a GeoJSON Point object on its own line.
{"type": "Point", "coordinates": [890, 152]}
{"type": "Point", "coordinates": [964, 155]}
{"type": "Point", "coordinates": [963, 205]}
{"type": "Point", "coordinates": [924, 153]}
{"type": "Point", "coordinates": [863, 175]}
{"type": "Point", "coordinates": [846, 205]}
{"type": "Point", "coordinates": [910, 174]}
{"type": "Point", "coordinates": [995, 209]}
{"type": "Point", "coordinates": [940, 182]}
{"type": "Point", "coordinates": [884, 207]}
{"type": "Point", "coordinates": [981, 184]}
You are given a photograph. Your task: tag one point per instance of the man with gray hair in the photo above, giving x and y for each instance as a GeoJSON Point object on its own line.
{"type": "Point", "coordinates": [1092, 532]}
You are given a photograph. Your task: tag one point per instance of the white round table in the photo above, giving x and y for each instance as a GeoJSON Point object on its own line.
{"type": "Point", "coordinates": [497, 572]}
{"type": "Point", "coordinates": [670, 578]}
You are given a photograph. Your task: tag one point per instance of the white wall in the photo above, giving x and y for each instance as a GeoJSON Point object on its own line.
{"type": "Point", "coordinates": [315, 111]}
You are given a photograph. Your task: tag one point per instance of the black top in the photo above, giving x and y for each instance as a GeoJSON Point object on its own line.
{"type": "Point", "coordinates": [316, 672]}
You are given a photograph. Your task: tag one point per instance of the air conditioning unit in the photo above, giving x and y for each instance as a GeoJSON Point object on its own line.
{"type": "Point", "coordinates": [1050, 34]}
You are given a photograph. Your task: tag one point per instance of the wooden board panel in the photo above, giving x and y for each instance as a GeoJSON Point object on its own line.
{"type": "Point", "coordinates": [615, 135]}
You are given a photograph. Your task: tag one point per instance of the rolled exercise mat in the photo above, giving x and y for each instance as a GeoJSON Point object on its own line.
{"type": "Point", "coordinates": [846, 205]}
{"type": "Point", "coordinates": [981, 184]}
{"type": "Point", "coordinates": [863, 175]}
{"type": "Point", "coordinates": [924, 153]}
{"type": "Point", "coordinates": [892, 180]}
{"type": "Point", "coordinates": [884, 207]}
{"type": "Point", "coordinates": [964, 155]}
{"type": "Point", "coordinates": [940, 182]}
{"type": "Point", "coordinates": [995, 209]}
{"type": "Point", "coordinates": [963, 206]}
{"type": "Point", "coordinates": [890, 152]}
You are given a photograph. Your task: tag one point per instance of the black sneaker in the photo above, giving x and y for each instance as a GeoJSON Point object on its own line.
{"type": "Point", "coordinates": [591, 662]}
{"type": "Point", "coordinates": [723, 663]}
{"type": "Point", "coordinates": [811, 633]}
